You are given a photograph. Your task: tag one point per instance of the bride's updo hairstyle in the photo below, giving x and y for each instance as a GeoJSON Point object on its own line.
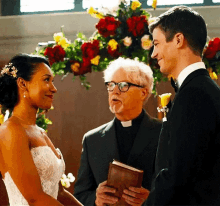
{"type": "Point", "coordinates": [21, 65]}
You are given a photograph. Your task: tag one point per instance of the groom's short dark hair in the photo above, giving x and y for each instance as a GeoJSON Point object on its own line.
{"type": "Point", "coordinates": [186, 21]}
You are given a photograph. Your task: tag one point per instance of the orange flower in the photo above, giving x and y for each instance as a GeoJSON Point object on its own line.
{"type": "Point", "coordinates": [75, 67]}
{"type": "Point", "coordinates": [170, 76]}
{"type": "Point", "coordinates": [165, 98]}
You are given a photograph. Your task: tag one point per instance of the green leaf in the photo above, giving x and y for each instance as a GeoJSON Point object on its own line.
{"type": "Point", "coordinates": [80, 35]}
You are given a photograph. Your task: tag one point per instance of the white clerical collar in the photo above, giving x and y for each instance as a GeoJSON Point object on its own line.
{"type": "Point", "coordinates": [127, 123]}
{"type": "Point", "coordinates": [188, 70]}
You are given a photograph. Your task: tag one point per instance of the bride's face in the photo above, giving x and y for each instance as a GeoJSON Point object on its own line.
{"type": "Point", "coordinates": [40, 89]}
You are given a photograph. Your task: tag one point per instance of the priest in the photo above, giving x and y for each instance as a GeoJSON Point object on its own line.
{"type": "Point", "coordinates": [131, 137]}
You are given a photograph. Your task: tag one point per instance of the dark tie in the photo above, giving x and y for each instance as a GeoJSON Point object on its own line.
{"type": "Point", "coordinates": [174, 85]}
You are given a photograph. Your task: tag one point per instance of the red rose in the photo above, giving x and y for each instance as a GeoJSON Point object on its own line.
{"type": "Point", "coordinates": [114, 53]}
{"type": "Point", "coordinates": [55, 54]}
{"type": "Point", "coordinates": [90, 49]}
{"type": "Point", "coordinates": [107, 26]}
{"type": "Point", "coordinates": [86, 62]}
{"type": "Point", "coordinates": [136, 25]}
{"type": "Point", "coordinates": [213, 48]}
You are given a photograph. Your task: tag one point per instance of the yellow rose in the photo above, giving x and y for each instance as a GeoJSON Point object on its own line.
{"type": "Point", "coordinates": [213, 75]}
{"type": "Point", "coordinates": [165, 98]}
{"type": "Point", "coordinates": [146, 43]}
{"type": "Point", "coordinates": [135, 5]}
{"type": "Point", "coordinates": [95, 60]}
{"type": "Point", "coordinates": [63, 42]}
{"type": "Point", "coordinates": [94, 13]}
{"type": "Point", "coordinates": [154, 4]}
{"type": "Point", "coordinates": [1, 119]}
{"type": "Point", "coordinates": [91, 10]}
{"type": "Point", "coordinates": [57, 36]}
{"type": "Point", "coordinates": [113, 44]}
{"type": "Point", "coordinates": [98, 15]}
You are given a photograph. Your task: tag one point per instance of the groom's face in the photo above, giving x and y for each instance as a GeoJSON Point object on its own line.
{"type": "Point", "coordinates": [165, 52]}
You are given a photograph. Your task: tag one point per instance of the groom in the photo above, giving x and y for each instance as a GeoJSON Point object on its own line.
{"type": "Point", "coordinates": [188, 155]}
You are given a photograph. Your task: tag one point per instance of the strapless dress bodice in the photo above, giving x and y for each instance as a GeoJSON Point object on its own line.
{"type": "Point", "coordinates": [50, 169]}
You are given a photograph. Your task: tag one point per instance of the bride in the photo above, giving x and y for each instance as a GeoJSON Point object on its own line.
{"type": "Point", "coordinates": [30, 166]}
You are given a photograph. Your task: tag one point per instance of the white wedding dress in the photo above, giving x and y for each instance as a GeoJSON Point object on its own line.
{"type": "Point", "coordinates": [50, 169]}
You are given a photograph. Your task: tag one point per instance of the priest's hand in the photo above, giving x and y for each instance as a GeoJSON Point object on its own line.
{"type": "Point", "coordinates": [102, 197]}
{"type": "Point", "coordinates": [135, 196]}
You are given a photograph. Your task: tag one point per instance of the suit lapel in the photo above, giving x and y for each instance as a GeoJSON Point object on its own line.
{"type": "Point", "coordinates": [109, 139]}
{"type": "Point", "coordinates": [142, 139]}
{"type": "Point", "coordinates": [193, 75]}
{"type": "Point", "coordinates": [186, 81]}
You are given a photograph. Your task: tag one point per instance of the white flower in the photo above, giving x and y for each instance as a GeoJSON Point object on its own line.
{"type": "Point", "coordinates": [7, 113]}
{"type": "Point", "coordinates": [71, 177]}
{"type": "Point", "coordinates": [111, 7]}
{"type": "Point", "coordinates": [65, 180]}
{"type": "Point", "coordinates": [63, 176]}
{"type": "Point", "coordinates": [152, 19]}
{"type": "Point", "coordinates": [127, 41]}
{"type": "Point", "coordinates": [67, 184]}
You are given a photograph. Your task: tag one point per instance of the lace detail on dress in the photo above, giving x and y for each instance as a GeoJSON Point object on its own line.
{"type": "Point", "coordinates": [50, 169]}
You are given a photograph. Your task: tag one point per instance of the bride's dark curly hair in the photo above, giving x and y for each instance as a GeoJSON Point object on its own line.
{"type": "Point", "coordinates": [26, 66]}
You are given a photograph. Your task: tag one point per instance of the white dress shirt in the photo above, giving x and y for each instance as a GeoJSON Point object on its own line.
{"type": "Point", "coordinates": [188, 70]}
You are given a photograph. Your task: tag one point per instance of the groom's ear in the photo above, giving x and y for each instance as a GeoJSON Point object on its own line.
{"type": "Point", "coordinates": [179, 40]}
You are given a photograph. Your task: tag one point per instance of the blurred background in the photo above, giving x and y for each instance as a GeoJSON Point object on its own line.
{"type": "Point", "coordinates": [24, 23]}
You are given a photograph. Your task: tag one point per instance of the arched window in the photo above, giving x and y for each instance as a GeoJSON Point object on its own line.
{"type": "Point", "coordinates": [45, 5]}
{"type": "Point", "coordinates": [98, 3]}
{"type": "Point", "coordinates": [21, 7]}
{"type": "Point", "coordinates": [174, 2]}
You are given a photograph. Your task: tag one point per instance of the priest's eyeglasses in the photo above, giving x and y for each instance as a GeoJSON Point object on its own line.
{"type": "Point", "coordinates": [122, 86]}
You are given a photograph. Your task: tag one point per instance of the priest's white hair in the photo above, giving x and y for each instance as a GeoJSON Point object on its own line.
{"type": "Point", "coordinates": [137, 72]}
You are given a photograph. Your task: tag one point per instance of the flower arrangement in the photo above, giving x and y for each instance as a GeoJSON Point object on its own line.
{"type": "Point", "coordinates": [211, 57]}
{"type": "Point", "coordinates": [119, 32]}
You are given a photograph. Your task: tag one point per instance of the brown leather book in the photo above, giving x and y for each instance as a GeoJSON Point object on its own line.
{"type": "Point", "coordinates": [122, 176]}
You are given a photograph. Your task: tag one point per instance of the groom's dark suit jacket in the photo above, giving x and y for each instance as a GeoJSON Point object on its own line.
{"type": "Point", "coordinates": [188, 156]}
{"type": "Point", "coordinates": [100, 148]}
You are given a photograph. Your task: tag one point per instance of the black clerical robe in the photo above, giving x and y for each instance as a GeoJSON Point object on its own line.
{"type": "Point", "coordinates": [100, 147]}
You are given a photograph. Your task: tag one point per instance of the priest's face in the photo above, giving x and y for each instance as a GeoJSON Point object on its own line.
{"type": "Point", "coordinates": [125, 104]}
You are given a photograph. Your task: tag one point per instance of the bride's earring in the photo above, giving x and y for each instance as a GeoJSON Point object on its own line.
{"type": "Point", "coordinates": [24, 96]}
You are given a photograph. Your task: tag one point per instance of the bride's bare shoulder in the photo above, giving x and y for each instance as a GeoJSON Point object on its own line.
{"type": "Point", "coordinates": [11, 129]}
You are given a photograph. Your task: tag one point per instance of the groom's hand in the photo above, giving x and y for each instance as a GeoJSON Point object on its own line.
{"type": "Point", "coordinates": [135, 196]}
{"type": "Point", "coordinates": [102, 197]}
